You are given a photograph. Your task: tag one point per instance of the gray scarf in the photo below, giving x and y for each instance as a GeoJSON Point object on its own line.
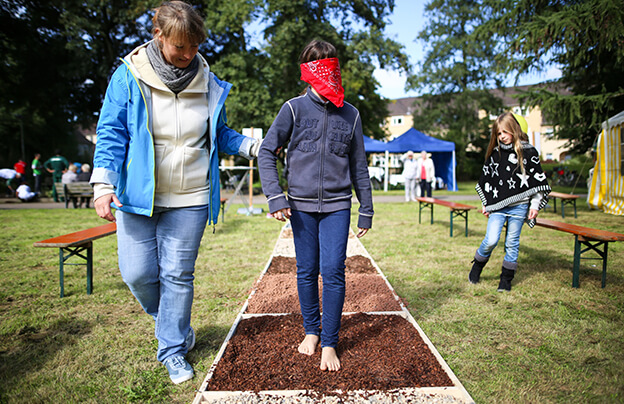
{"type": "Point", "coordinates": [175, 78]}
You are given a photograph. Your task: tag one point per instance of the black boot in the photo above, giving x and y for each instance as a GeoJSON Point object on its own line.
{"type": "Point", "coordinates": [506, 277]}
{"type": "Point", "coordinates": [475, 273]}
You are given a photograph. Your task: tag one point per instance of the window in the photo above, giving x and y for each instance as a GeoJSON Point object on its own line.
{"type": "Point", "coordinates": [397, 120]}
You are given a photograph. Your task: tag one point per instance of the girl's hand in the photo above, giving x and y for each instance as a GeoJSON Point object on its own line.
{"type": "Point", "coordinates": [102, 206]}
{"type": "Point", "coordinates": [533, 213]}
{"type": "Point", "coordinates": [361, 232]}
{"type": "Point", "coordinates": [486, 214]}
{"type": "Point", "coordinates": [282, 214]}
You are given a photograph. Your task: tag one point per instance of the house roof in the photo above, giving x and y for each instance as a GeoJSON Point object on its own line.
{"type": "Point", "coordinates": [405, 106]}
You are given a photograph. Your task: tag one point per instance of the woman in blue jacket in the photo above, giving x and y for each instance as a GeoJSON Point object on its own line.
{"type": "Point", "coordinates": [160, 129]}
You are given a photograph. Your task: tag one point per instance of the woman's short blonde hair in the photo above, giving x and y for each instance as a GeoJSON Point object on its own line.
{"type": "Point", "coordinates": [179, 20]}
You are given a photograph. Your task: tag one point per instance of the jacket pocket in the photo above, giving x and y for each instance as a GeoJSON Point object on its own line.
{"type": "Point", "coordinates": [195, 168]}
{"type": "Point", "coordinates": [160, 151]}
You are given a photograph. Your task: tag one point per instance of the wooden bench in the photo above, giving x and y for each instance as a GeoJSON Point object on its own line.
{"type": "Point", "coordinates": [74, 190]}
{"type": "Point", "coordinates": [592, 239]}
{"type": "Point", "coordinates": [457, 209]}
{"type": "Point", "coordinates": [566, 199]}
{"type": "Point", "coordinates": [75, 244]}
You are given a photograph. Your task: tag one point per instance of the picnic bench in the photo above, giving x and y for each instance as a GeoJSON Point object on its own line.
{"type": "Point", "coordinates": [456, 209]}
{"type": "Point", "coordinates": [74, 190]}
{"type": "Point", "coordinates": [566, 199]}
{"type": "Point", "coordinates": [592, 239]}
{"type": "Point", "coordinates": [76, 244]}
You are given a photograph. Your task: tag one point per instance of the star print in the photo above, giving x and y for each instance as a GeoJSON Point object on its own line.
{"type": "Point", "coordinates": [494, 168]}
{"type": "Point", "coordinates": [512, 183]}
{"type": "Point", "coordinates": [495, 193]}
{"type": "Point", "coordinates": [524, 180]}
{"type": "Point", "coordinates": [486, 170]}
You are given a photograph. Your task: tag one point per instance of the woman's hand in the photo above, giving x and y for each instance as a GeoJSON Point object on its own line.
{"type": "Point", "coordinates": [102, 206]}
{"type": "Point", "coordinates": [282, 214]}
{"type": "Point", "coordinates": [486, 214]}
{"type": "Point", "coordinates": [533, 214]}
{"type": "Point", "coordinates": [361, 232]}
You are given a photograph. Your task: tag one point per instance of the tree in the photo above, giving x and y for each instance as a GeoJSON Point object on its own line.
{"type": "Point", "coordinates": [58, 57]}
{"type": "Point", "coordinates": [456, 73]}
{"type": "Point", "coordinates": [583, 38]}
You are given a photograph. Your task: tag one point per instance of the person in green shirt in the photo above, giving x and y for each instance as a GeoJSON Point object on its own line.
{"type": "Point", "coordinates": [56, 166]}
{"type": "Point", "coordinates": [36, 170]}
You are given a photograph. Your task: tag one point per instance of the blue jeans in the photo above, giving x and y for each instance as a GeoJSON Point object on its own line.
{"type": "Point", "coordinates": [321, 246]}
{"type": "Point", "coordinates": [514, 217]}
{"type": "Point", "coordinates": [157, 260]}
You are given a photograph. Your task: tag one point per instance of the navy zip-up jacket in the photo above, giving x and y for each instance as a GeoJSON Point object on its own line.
{"type": "Point", "coordinates": [325, 158]}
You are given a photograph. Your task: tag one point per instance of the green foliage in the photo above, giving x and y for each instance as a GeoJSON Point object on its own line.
{"type": "Point", "coordinates": [584, 39]}
{"type": "Point", "coordinates": [59, 56]}
{"type": "Point", "coordinates": [455, 75]}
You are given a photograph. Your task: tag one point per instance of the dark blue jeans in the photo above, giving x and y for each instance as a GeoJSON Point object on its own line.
{"type": "Point", "coordinates": [321, 247]}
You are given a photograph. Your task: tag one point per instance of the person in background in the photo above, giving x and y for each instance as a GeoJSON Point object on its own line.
{"type": "Point", "coordinates": [513, 188]}
{"type": "Point", "coordinates": [25, 194]}
{"type": "Point", "coordinates": [56, 165]}
{"type": "Point", "coordinates": [12, 177]}
{"type": "Point", "coordinates": [83, 176]}
{"type": "Point", "coordinates": [410, 174]}
{"type": "Point", "coordinates": [326, 158]}
{"type": "Point", "coordinates": [20, 167]}
{"type": "Point", "coordinates": [159, 135]}
{"type": "Point", "coordinates": [426, 173]}
{"type": "Point", "coordinates": [70, 175]}
{"type": "Point", "coordinates": [36, 169]}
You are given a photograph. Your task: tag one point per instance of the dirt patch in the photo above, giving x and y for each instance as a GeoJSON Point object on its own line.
{"type": "Point", "coordinates": [377, 352]}
{"type": "Point", "coordinates": [364, 292]}
{"type": "Point", "coordinates": [288, 265]}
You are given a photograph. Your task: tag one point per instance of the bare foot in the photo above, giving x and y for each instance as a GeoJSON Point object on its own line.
{"type": "Point", "coordinates": [308, 345]}
{"type": "Point", "coordinates": [329, 359]}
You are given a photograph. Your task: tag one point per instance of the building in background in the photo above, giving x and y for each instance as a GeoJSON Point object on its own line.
{"type": "Point", "coordinates": [400, 119]}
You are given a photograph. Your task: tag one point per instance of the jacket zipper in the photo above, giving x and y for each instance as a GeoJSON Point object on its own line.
{"type": "Point", "coordinates": [321, 169]}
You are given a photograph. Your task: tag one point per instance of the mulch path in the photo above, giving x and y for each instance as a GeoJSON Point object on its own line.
{"type": "Point", "coordinates": [377, 352]}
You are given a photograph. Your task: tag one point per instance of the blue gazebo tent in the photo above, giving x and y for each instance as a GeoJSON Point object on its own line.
{"type": "Point", "coordinates": [374, 146]}
{"type": "Point", "coordinates": [442, 153]}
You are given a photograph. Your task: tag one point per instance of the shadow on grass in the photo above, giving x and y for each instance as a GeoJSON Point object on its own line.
{"type": "Point", "coordinates": [209, 341]}
{"type": "Point", "coordinates": [34, 347]}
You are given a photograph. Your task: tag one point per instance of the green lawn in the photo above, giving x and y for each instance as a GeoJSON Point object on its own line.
{"type": "Point", "coordinates": [543, 342]}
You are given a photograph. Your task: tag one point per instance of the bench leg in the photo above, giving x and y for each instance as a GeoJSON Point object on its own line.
{"type": "Point", "coordinates": [88, 262]}
{"type": "Point", "coordinates": [61, 277]}
{"type": "Point", "coordinates": [604, 266]}
{"type": "Point", "coordinates": [451, 223]}
{"type": "Point", "coordinates": [577, 262]}
{"type": "Point", "coordinates": [90, 268]}
{"type": "Point", "coordinates": [562, 208]}
{"type": "Point", "coordinates": [424, 205]}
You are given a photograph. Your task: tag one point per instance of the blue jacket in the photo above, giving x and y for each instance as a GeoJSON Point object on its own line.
{"type": "Point", "coordinates": [124, 155]}
{"type": "Point", "coordinates": [325, 158]}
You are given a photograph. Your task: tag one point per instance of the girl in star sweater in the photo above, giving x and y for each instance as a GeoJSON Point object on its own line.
{"type": "Point", "coordinates": [513, 188]}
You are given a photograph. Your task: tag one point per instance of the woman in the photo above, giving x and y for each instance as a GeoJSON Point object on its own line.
{"type": "Point", "coordinates": [161, 127]}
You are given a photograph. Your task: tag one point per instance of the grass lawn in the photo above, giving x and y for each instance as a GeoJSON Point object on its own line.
{"type": "Point", "coordinates": [543, 342]}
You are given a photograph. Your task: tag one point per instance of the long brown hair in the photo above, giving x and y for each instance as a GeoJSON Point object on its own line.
{"type": "Point", "coordinates": [507, 122]}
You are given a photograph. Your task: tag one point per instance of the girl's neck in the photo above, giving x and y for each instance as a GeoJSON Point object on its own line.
{"type": "Point", "coordinates": [318, 95]}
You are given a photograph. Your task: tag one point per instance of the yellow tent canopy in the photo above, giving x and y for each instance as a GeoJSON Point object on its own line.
{"type": "Point", "coordinates": [606, 191]}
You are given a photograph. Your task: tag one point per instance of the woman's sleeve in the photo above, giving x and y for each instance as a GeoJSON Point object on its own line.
{"type": "Point", "coordinates": [112, 131]}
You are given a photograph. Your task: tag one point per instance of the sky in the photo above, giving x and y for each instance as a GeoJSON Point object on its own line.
{"type": "Point", "coordinates": [406, 22]}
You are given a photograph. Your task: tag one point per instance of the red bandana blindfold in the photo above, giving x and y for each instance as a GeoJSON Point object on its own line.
{"type": "Point", "coordinates": [324, 76]}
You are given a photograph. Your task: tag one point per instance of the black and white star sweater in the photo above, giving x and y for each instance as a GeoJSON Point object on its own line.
{"type": "Point", "coordinates": [503, 184]}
